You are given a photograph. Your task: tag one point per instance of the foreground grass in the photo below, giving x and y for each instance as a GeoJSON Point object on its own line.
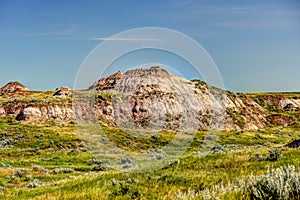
{"type": "Point", "coordinates": [59, 147]}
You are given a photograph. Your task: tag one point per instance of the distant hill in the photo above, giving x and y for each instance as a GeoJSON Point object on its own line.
{"type": "Point", "coordinates": [13, 87]}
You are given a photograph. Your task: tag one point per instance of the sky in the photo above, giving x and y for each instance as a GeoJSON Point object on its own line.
{"type": "Point", "coordinates": [255, 44]}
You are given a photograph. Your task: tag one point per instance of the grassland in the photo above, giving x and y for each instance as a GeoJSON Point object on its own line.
{"type": "Point", "coordinates": [36, 98]}
{"type": "Point", "coordinates": [51, 161]}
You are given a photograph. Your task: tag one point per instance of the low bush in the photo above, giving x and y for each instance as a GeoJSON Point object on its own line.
{"type": "Point", "coordinates": [274, 155]}
{"type": "Point", "coordinates": [281, 183]}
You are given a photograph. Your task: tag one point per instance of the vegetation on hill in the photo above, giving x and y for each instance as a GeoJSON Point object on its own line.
{"type": "Point", "coordinates": [50, 161]}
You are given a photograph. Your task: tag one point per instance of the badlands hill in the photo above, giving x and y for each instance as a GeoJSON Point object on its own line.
{"type": "Point", "coordinates": [14, 88]}
{"type": "Point", "coordinates": [154, 99]}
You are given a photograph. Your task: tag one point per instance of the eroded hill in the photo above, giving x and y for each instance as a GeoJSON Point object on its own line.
{"type": "Point", "coordinates": [154, 99]}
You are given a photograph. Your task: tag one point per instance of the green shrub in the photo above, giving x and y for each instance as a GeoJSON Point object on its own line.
{"type": "Point", "coordinates": [274, 155]}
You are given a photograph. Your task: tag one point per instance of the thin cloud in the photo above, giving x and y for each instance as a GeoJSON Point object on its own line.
{"type": "Point", "coordinates": [113, 39]}
{"type": "Point", "coordinates": [126, 39]}
{"type": "Point", "coordinates": [56, 33]}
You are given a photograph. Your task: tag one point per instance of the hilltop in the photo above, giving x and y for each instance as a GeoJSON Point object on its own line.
{"type": "Point", "coordinates": [13, 88]}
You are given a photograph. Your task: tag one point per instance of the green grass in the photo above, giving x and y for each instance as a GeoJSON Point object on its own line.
{"type": "Point", "coordinates": [51, 147]}
{"type": "Point", "coordinates": [36, 98]}
{"type": "Point", "coordinates": [286, 94]}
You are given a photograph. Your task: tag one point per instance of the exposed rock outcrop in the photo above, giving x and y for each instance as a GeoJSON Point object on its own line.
{"type": "Point", "coordinates": [108, 82]}
{"type": "Point", "coordinates": [154, 99]}
{"type": "Point", "coordinates": [2, 111]}
{"type": "Point", "coordinates": [43, 113]}
{"type": "Point", "coordinates": [278, 119]}
{"type": "Point", "coordinates": [13, 88]}
{"type": "Point", "coordinates": [279, 102]}
{"type": "Point", "coordinates": [63, 92]}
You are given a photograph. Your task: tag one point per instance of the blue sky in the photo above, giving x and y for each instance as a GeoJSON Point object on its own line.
{"type": "Point", "coordinates": [255, 44]}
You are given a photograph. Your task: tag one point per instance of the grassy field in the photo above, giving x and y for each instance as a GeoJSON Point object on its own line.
{"type": "Point", "coordinates": [51, 161]}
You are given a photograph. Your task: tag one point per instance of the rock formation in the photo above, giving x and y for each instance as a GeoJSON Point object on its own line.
{"type": "Point", "coordinates": [13, 88]}
{"type": "Point", "coordinates": [154, 99]}
{"type": "Point", "coordinates": [279, 102]}
{"type": "Point", "coordinates": [151, 99]}
{"type": "Point", "coordinates": [41, 113]}
{"type": "Point", "coordinates": [63, 92]}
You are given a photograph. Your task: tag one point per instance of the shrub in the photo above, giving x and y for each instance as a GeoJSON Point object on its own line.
{"type": "Point", "coordinates": [126, 162]}
{"type": "Point", "coordinates": [173, 162]}
{"type": "Point", "coordinates": [218, 149]}
{"type": "Point", "coordinates": [37, 168]}
{"type": "Point", "coordinates": [62, 170]}
{"type": "Point", "coordinates": [127, 189]}
{"type": "Point", "coordinates": [156, 136]}
{"type": "Point", "coordinates": [274, 155]}
{"type": "Point", "coordinates": [6, 165]}
{"type": "Point", "coordinates": [257, 157]}
{"type": "Point", "coordinates": [2, 188]}
{"type": "Point", "coordinates": [209, 137]}
{"type": "Point", "coordinates": [99, 168]}
{"type": "Point", "coordinates": [280, 183]}
{"type": "Point", "coordinates": [156, 154]}
{"type": "Point", "coordinates": [20, 173]}
{"type": "Point", "coordinates": [34, 184]}
{"type": "Point", "coordinates": [6, 142]}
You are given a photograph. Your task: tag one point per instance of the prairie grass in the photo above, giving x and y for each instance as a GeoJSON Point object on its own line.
{"type": "Point", "coordinates": [68, 170]}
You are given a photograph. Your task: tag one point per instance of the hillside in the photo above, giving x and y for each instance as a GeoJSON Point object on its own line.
{"type": "Point", "coordinates": [153, 99]}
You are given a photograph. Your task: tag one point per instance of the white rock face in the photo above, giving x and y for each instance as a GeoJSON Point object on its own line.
{"type": "Point", "coordinates": [2, 111]}
{"type": "Point", "coordinates": [154, 99]}
{"type": "Point", "coordinates": [290, 104]}
{"type": "Point", "coordinates": [43, 113]}
{"type": "Point", "coordinates": [32, 111]}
